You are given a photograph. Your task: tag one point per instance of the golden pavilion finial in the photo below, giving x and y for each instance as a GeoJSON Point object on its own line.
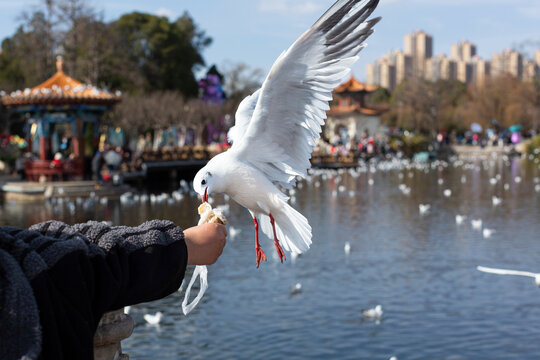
{"type": "Point", "coordinates": [59, 64]}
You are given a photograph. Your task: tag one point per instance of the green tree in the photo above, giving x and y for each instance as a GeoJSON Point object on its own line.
{"type": "Point", "coordinates": [153, 53]}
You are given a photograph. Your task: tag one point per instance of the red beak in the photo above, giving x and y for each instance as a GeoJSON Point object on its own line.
{"type": "Point", "coordinates": [204, 198]}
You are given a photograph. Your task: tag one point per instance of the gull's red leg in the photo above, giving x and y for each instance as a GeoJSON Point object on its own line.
{"type": "Point", "coordinates": [258, 251]}
{"type": "Point", "coordinates": [276, 241]}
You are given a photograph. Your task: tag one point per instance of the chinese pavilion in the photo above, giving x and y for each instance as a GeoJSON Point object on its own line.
{"type": "Point", "coordinates": [349, 115]}
{"type": "Point", "coordinates": [62, 116]}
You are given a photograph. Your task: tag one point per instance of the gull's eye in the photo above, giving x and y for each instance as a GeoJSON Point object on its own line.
{"type": "Point", "coordinates": [203, 182]}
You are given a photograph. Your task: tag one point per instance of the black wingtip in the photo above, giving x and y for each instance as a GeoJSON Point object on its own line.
{"type": "Point", "coordinates": [340, 9]}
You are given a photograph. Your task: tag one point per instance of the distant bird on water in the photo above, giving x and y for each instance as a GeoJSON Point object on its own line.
{"type": "Point", "coordinates": [486, 233]}
{"type": "Point", "coordinates": [276, 127]}
{"type": "Point", "coordinates": [296, 289]}
{"type": "Point", "coordinates": [373, 313]}
{"type": "Point", "coordinates": [476, 224]}
{"type": "Point", "coordinates": [347, 248]}
{"type": "Point", "coordinates": [423, 208]}
{"type": "Point", "coordinates": [535, 276]}
{"type": "Point", "coordinates": [153, 319]}
{"type": "Point", "coordinates": [460, 219]}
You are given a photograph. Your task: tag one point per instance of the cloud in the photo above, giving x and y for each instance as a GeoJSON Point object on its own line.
{"type": "Point", "coordinates": [167, 13]}
{"type": "Point", "coordinates": [289, 6]}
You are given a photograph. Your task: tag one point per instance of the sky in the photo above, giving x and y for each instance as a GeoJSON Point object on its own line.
{"type": "Point", "coordinates": [255, 32]}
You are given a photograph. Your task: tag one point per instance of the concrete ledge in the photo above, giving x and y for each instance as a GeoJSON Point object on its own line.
{"type": "Point", "coordinates": [113, 327]}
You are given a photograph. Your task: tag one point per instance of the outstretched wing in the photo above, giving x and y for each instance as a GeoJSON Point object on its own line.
{"type": "Point", "coordinates": [292, 103]}
{"type": "Point", "coordinates": [243, 116]}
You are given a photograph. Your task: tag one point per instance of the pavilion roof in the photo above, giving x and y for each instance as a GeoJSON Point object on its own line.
{"type": "Point", "coordinates": [353, 85]}
{"type": "Point", "coordinates": [60, 89]}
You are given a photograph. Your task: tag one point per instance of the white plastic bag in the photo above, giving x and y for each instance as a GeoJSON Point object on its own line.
{"type": "Point", "coordinates": [207, 214]}
{"type": "Point", "coordinates": [202, 272]}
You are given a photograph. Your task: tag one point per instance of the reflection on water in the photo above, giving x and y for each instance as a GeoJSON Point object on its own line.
{"type": "Point", "coordinates": [420, 268]}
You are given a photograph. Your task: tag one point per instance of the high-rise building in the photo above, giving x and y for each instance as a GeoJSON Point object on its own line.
{"type": "Point", "coordinates": [416, 60]}
{"type": "Point", "coordinates": [448, 69]}
{"type": "Point", "coordinates": [497, 64]}
{"type": "Point", "coordinates": [404, 66]}
{"type": "Point", "coordinates": [507, 62]}
{"type": "Point", "coordinates": [424, 50]}
{"type": "Point", "coordinates": [464, 51]}
{"type": "Point", "coordinates": [530, 70]}
{"type": "Point", "coordinates": [464, 71]}
{"type": "Point", "coordinates": [371, 74]}
{"type": "Point", "coordinates": [434, 67]}
{"type": "Point", "coordinates": [419, 46]}
{"type": "Point", "coordinates": [481, 70]}
{"type": "Point", "coordinates": [383, 73]}
{"type": "Point", "coordinates": [515, 64]}
{"type": "Point", "coordinates": [388, 75]}
{"type": "Point", "coordinates": [431, 73]}
{"type": "Point", "coordinates": [409, 44]}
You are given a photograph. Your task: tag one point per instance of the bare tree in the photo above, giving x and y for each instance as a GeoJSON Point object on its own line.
{"type": "Point", "coordinates": [241, 80]}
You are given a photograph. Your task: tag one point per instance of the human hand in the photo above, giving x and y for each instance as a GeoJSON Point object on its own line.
{"type": "Point", "coordinates": [205, 243]}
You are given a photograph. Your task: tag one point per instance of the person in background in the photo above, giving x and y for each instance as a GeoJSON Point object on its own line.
{"type": "Point", "coordinates": [97, 165]}
{"type": "Point", "coordinates": [58, 280]}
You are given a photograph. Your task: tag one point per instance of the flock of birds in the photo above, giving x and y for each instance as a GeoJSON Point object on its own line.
{"type": "Point", "coordinates": [317, 177]}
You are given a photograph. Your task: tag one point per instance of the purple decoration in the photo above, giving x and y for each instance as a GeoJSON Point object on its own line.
{"type": "Point", "coordinates": [211, 88]}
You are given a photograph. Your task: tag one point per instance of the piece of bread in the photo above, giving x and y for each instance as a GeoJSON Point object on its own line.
{"type": "Point", "coordinates": [209, 215]}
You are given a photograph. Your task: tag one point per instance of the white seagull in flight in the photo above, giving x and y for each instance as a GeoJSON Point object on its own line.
{"type": "Point", "coordinates": [276, 127]}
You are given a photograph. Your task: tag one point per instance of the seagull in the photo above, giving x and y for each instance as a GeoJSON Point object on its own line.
{"type": "Point", "coordinates": [127, 309]}
{"type": "Point", "coordinates": [447, 192]}
{"type": "Point", "coordinates": [487, 232]}
{"type": "Point", "coordinates": [233, 232]}
{"type": "Point", "coordinates": [296, 289]}
{"type": "Point", "coordinates": [153, 319]}
{"type": "Point", "coordinates": [476, 224]}
{"type": "Point", "coordinates": [347, 248]}
{"type": "Point", "coordinates": [277, 126]}
{"type": "Point", "coordinates": [496, 200]}
{"type": "Point", "coordinates": [460, 219]}
{"type": "Point", "coordinates": [373, 313]}
{"type": "Point", "coordinates": [404, 189]}
{"type": "Point", "coordinates": [536, 276]}
{"type": "Point", "coordinates": [423, 208]}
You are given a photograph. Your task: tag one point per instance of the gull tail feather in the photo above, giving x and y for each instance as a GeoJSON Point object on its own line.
{"type": "Point", "coordinates": [292, 229]}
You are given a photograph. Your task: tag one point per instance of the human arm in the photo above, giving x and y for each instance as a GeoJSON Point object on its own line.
{"type": "Point", "coordinates": [205, 243]}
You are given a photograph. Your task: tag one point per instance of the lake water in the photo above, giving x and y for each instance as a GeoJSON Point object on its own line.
{"type": "Point", "coordinates": [420, 268]}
